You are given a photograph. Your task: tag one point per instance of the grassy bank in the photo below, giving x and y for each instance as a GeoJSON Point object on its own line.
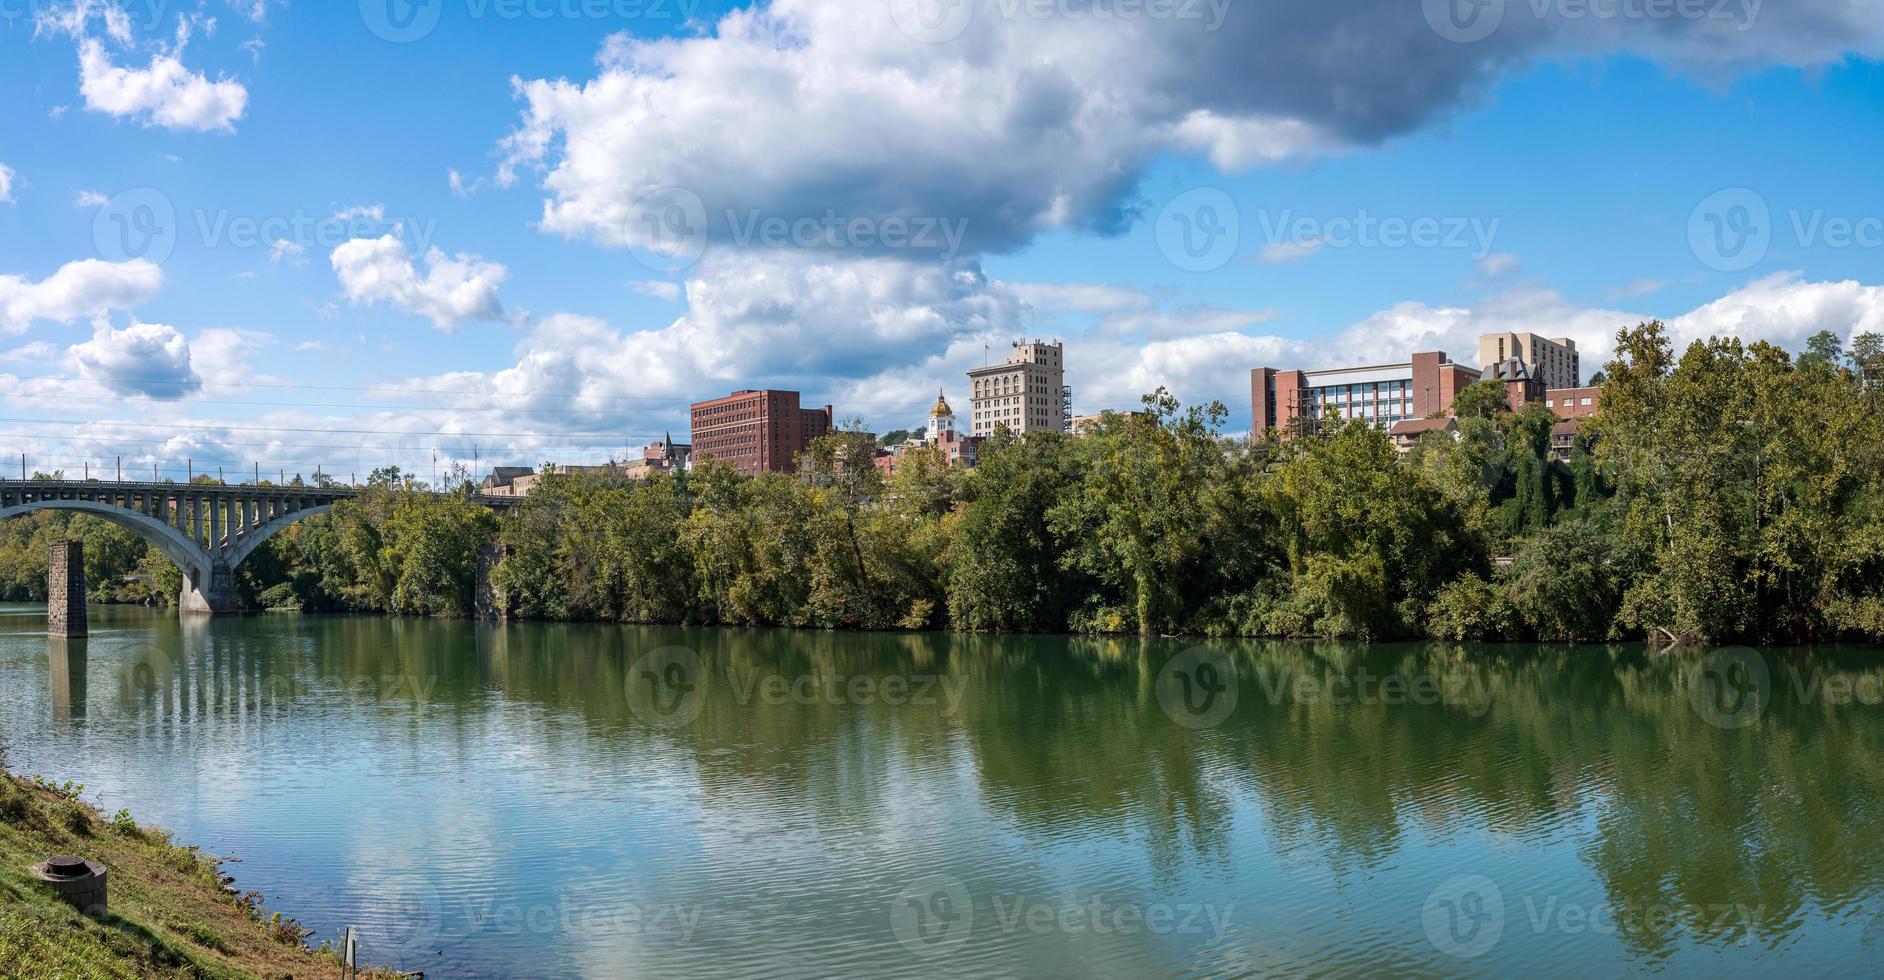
{"type": "Point", "coordinates": [171, 912]}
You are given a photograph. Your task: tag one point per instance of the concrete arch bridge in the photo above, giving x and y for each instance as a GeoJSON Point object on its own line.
{"type": "Point", "coordinates": [207, 529]}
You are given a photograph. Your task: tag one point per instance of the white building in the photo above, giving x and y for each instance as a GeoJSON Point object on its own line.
{"type": "Point", "coordinates": [1025, 393]}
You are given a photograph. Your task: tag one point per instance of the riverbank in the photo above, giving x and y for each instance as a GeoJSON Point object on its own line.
{"type": "Point", "coordinates": [171, 913]}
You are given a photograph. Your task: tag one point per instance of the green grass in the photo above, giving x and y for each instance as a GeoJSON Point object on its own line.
{"type": "Point", "coordinates": [172, 913]}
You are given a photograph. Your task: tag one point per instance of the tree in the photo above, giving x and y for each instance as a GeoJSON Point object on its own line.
{"type": "Point", "coordinates": [1867, 358]}
{"type": "Point", "coordinates": [1003, 571]}
{"type": "Point", "coordinates": [1137, 527]}
{"type": "Point", "coordinates": [1368, 541]}
{"type": "Point", "coordinates": [1565, 583]}
{"type": "Point", "coordinates": [1480, 400]}
{"type": "Point", "coordinates": [1823, 351]}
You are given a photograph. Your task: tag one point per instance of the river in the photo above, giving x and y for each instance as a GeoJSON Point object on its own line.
{"type": "Point", "coordinates": [584, 800]}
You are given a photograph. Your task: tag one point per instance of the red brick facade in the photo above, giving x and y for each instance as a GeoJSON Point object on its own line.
{"type": "Point", "coordinates": [1573, 403]}
{"type": "Point", "coordinates": [757, 431]}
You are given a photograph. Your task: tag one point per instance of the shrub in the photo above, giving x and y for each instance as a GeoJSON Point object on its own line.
{"type": "Point", "coordinates": [1471, 609]}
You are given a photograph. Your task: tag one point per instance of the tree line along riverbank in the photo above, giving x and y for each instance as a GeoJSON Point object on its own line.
{"type": "Point", "coordinates": [1732, 492]}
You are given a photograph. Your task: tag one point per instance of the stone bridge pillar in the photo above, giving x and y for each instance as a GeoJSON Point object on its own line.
{"type": "Point", "coordinates": [213, 594]}
{"type": "Point", "coordinates": [65, 589]}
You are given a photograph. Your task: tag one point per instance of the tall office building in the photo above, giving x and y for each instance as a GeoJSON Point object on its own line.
{"type": "Point", "coordinates": [1553, 362]}
{"type": "Point", "coordinates": [1025, 393]}
{"type": "Point", "coordinates": [757, 431]}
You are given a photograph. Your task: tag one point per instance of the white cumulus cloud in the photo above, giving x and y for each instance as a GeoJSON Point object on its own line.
{"type": "Point", "coordinates": [1025, 121]}
{"type": "Point", "coordinates": [86, 288]}
{"type": "Point", "coordinates": [451, 291]}
{"type": "Point", "coordinates": [164, 93]}
{"type": "Point", "coordinates": [148, 359]}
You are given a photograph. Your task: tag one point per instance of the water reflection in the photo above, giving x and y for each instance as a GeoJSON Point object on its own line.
{"type": "Point", "coordinates": [65, 660]}
{"type": "Point", "coordinates": [787, 788]}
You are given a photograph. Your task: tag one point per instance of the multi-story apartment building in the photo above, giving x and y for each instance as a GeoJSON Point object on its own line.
{"type": "Point", "coordinates": [757, 431]}
{"type": "Point", "coordinates": [1382, 394]}
{"type": "Point", "coordinates": [1025, 393]}
{"type": "Point", "coordinates": [1573, 403]}
{"type": "Point", "coordinates": [1554, 362]}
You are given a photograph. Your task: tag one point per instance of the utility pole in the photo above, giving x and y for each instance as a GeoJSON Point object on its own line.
{"type": "Point", "coordinates": [120, 469]}
{"type": "Point", "coordinates": [258, 474]}
{"type": "Point", "coordinates": [189, 470]}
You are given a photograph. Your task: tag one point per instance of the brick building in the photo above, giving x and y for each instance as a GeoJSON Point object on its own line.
{"type": "Point", "coordinates": [1573, 403]}
{"type": "Point", "coordinates": [757, 431]}
{"type": "Point", "coordinates": [1532, 369]}
{"type": "Point", "coordinates": [1383, 394]}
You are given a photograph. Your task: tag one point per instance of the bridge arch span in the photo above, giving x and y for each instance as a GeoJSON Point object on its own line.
{"type": "Point", "coordinates": [206, 529]}
{"type": "Point", "coordinates": [190, 557]}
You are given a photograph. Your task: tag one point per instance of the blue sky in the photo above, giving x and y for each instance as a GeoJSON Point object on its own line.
{"type": "Point", "coordinates": [1564, 164]}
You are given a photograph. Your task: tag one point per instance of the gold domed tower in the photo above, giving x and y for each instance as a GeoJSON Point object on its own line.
{"type": "Point", "coordinates": [941, 417]}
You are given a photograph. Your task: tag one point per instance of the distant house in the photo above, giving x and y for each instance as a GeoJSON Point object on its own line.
{"type": "Point", "coordinates": [502, 482]}
{"type": "Point", "coordinates": [1085, 424]}
{"type": "Point", "coordinates": [1573, 403]}
{"type": "Point", "coordinates": [1408, 432]}
{"type": "Point", "coordinates": [666, 456]}
{"type": "Point", "coordinates": [1563, 438]}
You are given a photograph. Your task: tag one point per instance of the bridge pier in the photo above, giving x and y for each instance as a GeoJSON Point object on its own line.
{"type": "Point", "coordinates": [65, 589]}
{"type": "Point", "coordinates": [212, 594]}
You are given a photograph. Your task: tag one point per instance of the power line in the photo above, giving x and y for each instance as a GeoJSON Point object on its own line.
{"type": "Point", "coordinates": [17, 437]}
{"type": "Point", "coordinates": [360, 405]}
{"type": "Point", "coordinates": [481, 393]}
{"type": "Point", "coordinates": [390, 433]}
